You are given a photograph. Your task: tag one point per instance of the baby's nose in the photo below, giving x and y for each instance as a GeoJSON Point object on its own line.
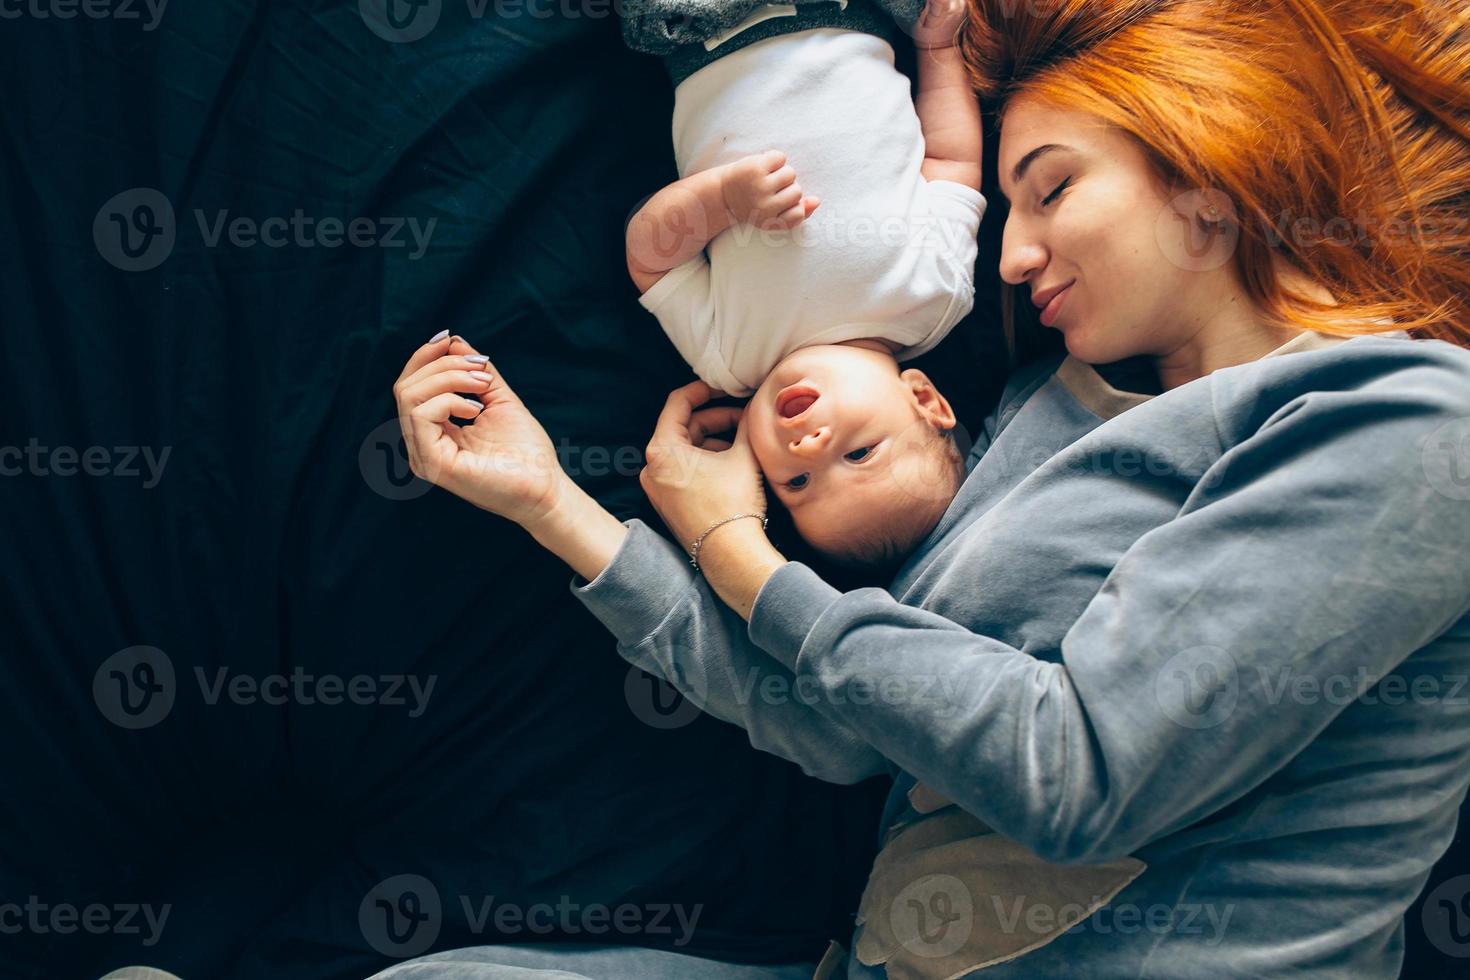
{"type": "Point", "coordinates": [813, 442]}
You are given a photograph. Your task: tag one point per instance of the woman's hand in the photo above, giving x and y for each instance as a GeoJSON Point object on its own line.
{"type": "Point", "coordinates": [694, 479]}
{"type": "Point", "coordinates": [504, 461]}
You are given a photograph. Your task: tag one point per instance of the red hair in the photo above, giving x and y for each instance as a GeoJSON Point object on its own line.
{"type": "Point", "coordinates": [1339, 130]}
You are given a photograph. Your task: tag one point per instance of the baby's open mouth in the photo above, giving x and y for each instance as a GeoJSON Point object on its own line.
{"type": "Point", "coordinates": [793, 400]}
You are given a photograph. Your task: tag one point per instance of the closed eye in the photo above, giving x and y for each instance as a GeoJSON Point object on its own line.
{"type": "Point", "coordinates": [1050, 198]}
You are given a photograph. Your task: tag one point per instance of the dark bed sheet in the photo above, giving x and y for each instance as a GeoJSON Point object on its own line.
{"type": "Point", "coordinates": [283, 533]}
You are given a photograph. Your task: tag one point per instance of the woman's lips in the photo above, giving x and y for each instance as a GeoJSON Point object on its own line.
{"type": "Point", "coordinates": [794, 400]}
{"type": "Point", "coordinates": [1049, 314]}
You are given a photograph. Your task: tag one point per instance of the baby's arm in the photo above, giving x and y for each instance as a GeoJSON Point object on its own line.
{"type": "Point", "coordinates": [948, 111]}
{"type": "Point", "coordinates": [679, 221]}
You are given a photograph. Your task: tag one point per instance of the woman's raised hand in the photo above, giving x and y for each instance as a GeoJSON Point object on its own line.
{"type": "Point", "coordinates": [504, 461]}
{"type": "Point", "coordinates": [692, 478]}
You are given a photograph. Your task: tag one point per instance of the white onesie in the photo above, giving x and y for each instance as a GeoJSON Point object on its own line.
{"type": "Point", "coordinates": [887, 255]}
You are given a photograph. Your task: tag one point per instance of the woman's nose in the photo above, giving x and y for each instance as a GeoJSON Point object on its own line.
{"type": "Point", "coordinates": [813, 442]}
{"type": "Point", "coordinates": [1021, 256]}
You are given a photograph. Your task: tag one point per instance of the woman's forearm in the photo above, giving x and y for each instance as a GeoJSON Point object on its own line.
{"type": "Point", "coordinates": [580, 532]}
{"type": "Point", "coordinates": [736, 560]}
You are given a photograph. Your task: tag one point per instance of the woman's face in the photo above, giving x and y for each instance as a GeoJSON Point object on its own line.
{"type": "Point", "coordinates": [1123, 265]}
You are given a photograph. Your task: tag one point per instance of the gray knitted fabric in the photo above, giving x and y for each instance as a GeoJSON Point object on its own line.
{"type": "Point", "coordinates": [854, 15]}
{"type": "Point", "coordinates": [662, 26]}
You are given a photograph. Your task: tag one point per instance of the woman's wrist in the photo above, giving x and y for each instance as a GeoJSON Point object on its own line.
{"type": "Point", "coordinates": [736, 560]}
{"type": "Point", "coordinates": [579, 531]}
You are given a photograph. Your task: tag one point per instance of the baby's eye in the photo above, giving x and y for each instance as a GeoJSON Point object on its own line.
{"type": "Point", "coordinates": [858, 455]}
{"type": "Point", "coordinates": [796, 482]}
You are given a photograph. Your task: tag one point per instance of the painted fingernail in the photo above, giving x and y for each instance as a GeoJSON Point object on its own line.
{"type": "Point", "coordinates": [478, 358]}
{"type": "Point", "coordinates": [438, 336]}
{"type": "Point", "coordinates": [482, 376]}
{"type": "Point", "coordinates": [476, 402]}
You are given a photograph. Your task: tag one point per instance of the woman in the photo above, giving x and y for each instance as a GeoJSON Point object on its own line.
{"type": "Point", "coordinates": [1196, 627]}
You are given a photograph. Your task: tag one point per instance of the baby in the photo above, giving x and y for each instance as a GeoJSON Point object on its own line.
{"type": "Point", "coordinates": [822, 231]}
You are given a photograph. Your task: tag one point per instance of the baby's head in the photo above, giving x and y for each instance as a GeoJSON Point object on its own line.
{"type": "Point", "coordinates": [860, 453]}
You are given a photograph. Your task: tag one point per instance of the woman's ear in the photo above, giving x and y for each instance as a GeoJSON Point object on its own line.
{"type": "Point", "coordinates": [931, 404]}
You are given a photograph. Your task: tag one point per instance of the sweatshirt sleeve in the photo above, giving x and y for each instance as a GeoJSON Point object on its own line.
{"type": "Point", "coordinates": [1330, 543]}
{"type": "Point", "coordinates": [668, 622]}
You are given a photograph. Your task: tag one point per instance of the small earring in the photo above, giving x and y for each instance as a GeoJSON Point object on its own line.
{"type": "Point", "coordinates": [1213, 213]}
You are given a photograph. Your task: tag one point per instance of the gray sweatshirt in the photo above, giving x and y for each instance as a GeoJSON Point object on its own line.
{"type": "Point", "coordinates": [1222, 632]}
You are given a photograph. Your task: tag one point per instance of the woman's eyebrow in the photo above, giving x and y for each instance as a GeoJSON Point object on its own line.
{"type": "Point", "coordinates": [1018, 172]}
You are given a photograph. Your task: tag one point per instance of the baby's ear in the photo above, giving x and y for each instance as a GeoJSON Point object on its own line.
{"type": "Point", "coordinates": [932, 405]}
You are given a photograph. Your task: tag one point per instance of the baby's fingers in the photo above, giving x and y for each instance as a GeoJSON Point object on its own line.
{"type": "Point", "coordinates": [787, 197]}
{"type": "Point", "coordinates": [773, 160]}
{"type": "Point", "coordinates": [783, 177]}
{"type": "Point", "coordinates": [798, 213]}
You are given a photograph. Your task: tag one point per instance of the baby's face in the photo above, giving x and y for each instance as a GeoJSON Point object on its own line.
{"type": "Point", "coordinates": [846, 443]}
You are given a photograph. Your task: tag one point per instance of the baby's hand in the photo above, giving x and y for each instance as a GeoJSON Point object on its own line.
{"type": "Point", "coordinates": [939, 24]}
{"type": "Point", "coordinates": [761, 190]}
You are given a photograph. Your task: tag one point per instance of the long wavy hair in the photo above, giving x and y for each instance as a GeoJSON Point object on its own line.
{"type": "Point", "coordinates": [1338, 129]}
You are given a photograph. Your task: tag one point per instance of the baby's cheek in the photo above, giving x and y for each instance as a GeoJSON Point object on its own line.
{"type": "Point", "coordinates": [921, 476]}
{"type": "Point", "coordinates": [760, 460]}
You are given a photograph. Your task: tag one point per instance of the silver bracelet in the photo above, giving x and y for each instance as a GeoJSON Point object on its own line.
{"type": "Point", "coordinates": [694, 548]}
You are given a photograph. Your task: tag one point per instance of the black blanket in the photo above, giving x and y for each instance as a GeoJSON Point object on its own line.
{"type": "Point", "coordinates": [228, 223]}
